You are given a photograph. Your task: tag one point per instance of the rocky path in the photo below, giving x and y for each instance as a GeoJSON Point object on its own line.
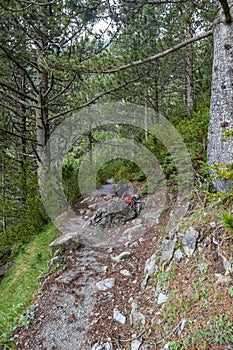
{"type": "Point", "coordinates": [121, 296]}
{"type": "Point", "coordinates": [64, 305]}
{"type": "Point", "coordinates": [65, 309]}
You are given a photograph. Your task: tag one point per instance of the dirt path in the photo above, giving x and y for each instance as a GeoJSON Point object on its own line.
{"type": "Point", "coordinates": [64, 305]}
{"type": "Point", "coordinates": [65, 309]}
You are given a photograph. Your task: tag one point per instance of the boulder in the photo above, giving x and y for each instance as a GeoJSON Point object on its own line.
{"type": "Point", "coordinates": [190, 241]}
{"type": "Point", "coordinates": [135, 230]}
{"type": "Point", "coordinates": [151, 267]}
{"type": "Point", "coordinates": [114, 213]}
{"type": "Point", "coordinates": [70, 240]}
{"type": "Point", "coordinates": [167, 250]}
{"type": "Point", "coordinates": [178, 256]}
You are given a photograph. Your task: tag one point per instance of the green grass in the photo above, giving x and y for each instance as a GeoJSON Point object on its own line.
{"type": "Point", "coordinates": [18, 287]}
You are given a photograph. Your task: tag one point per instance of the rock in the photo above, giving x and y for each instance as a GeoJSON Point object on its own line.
{"type": "Point", "coordinates": [151, 267]}
{"type": "Point", "coordinates": [56, 260]}
{"type": "Point", "coordinates": [70, 240]}
{"type": "Point", "coordinates": [105, 346]}
{"type": "Point", "coordinates": [144, 282]}
{"type": "Point", "coordinates": [126, 273]}
{"type": "Point", "coordinates": [122, 191]}
{"type": "Point", "coordinates": [106, 284]}
{"type": "Point", "coordinates": [190, 241]}
{"type": "Point", "coordinates": [167, 250]}
{"type": "Point", "coordinates": [178, 256]}
{"type": "Point", "coordinates": [135, 230]}
{"type": "Point", "coordinates": [162, 298]}
{"type": "Point", "coordinates": [93, 206]}
{"type": "Point", "coordinates": [222, 279]}
{"type": "Point", "coordinates": [136, 317]}
{"type": "Point", "coordinates": [145, 346]}
{"type": "Point", "coordinates": [181, 326]}
{"type": "Point", "coordinates": [110, 182]}
{"type": "Point", "coordinates": [226, 264]}
{"type": "Point", "coordinates": [113, 213]}
{"type": "Point", "coordinates": [4, 268]}
{"type": "Point", "coordinates": [136, 344]}
{"type": "Point", "coordinates": [119, 317]}
{"type": "Point", "coordinates": [152, 218]}
{"type": "Point", "coordinates": [132, 245]}
{"type": "Point", "coordinates": [137, 222]}
{"type": "Point", "coordinates": [121, 256]}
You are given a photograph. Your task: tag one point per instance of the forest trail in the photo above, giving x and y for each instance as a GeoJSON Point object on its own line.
{"type": "Point", "coordinates": [115, 296]}
{"type": "Point", "coordinates": [65, 307]}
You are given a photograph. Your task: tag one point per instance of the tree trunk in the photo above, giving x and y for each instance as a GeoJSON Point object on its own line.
{"type": "Point", "coordinates": [3, 194]}
{"type": "Point", "coordinates": [42, 120]}
{"type": "Point", "coordinates": [189, 74]}
{"type": "Point", "coordinates": [220, 148]}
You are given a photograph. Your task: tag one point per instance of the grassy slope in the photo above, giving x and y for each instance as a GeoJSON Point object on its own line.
{"type": "Point", "coordinates": [18, 287]}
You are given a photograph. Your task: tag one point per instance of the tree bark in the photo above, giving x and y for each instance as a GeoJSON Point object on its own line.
{"type": "Point", "coordinates": [220, 148]}
{"type": "Point", "coordinates": [42, 118]}
{"type": "Point", "coordinates": [189, 74]}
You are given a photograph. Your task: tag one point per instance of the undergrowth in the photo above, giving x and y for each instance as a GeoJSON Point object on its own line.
{"type": "Point", "coordinates": [18, 287]}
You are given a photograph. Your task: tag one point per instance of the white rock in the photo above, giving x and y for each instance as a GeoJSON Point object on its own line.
{"type": "Point", "coordinates": [93, 206]}
{"type": "Point", "coordinates": [151, 266]}
{"type": "Point", "coordinates": [135, 344]}
{"type": "Point", "coordinates": [135, 230]}
{"type": "Point", "coordinates": [136, 317]}
{"type": "Point", "coordinates": [105, 346]}
{"type": "Point", "coordinates": [126, 273]}
{"type": "Point", "coordinates": [105, 284]}
{"type": "Point", "coordinates": [181, 327]}
{"type": "Point", "coordinates": [119, 317]}
{"type": "Point", "coordinates": [122, 256]}
{"type": "Point", "coordinates": [162, 298]}
{"type": "Point", "coordinates": [221, 279]}
{"type": "Point", "coordinates": [213, 224]}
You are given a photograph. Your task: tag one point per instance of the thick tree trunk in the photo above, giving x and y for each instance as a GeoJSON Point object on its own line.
{"type": "Point", "coordinates": [220, 148]}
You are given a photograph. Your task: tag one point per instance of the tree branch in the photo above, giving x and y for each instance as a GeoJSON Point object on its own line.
{"type": "Point", "coordinates": [226, 10]}
{"type": "Point", "coordinates": [12, 109]}
{"type": "Point", "coordinates": [159, 55]}
{"type": "Point", "coordinates": [94, 99]}
{"type": "Point", "coordinates": [14, 98]}
{"type": "Point", "coordinates": [39, 3]}
{"type": "Point", "coordinates": [19, 136]}
{"type": "Point", "coordinates": [155, 2]}
{"type": "Point", "coordinates": [9, 87]}
{"type": "Point", "coordinates": [63, 90]}
{"type": "Point", "coordinates": [19, 66]}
